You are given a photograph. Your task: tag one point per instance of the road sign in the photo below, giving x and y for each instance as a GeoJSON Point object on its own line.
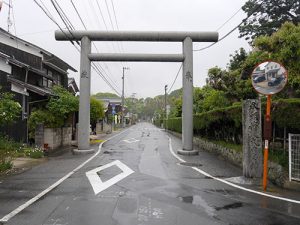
{"type": "Point", "coordinates": [96, 182]}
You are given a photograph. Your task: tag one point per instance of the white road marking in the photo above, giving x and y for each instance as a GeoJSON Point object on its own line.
{"type": "Point", "coordinates": [229, 183]}
{"type": "Point", "coordinates": [96, 181]}
{"type": "Point", "coordinates": [131, 140]}
{"type": "Point", "coordinates": [41, 194]}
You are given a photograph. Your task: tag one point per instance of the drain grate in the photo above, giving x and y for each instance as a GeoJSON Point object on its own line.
{"type": "Point", "coordinates": [190, 164]}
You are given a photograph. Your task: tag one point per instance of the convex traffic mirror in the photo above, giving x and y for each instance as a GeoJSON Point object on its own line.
{"type": "Point", "coordinates": [269, 78]}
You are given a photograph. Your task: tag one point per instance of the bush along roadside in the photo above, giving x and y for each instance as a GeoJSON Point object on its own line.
{"type": "Point", "coordinates": [223, 126]}
{"type": "Point", "coordinates": [9, 150]}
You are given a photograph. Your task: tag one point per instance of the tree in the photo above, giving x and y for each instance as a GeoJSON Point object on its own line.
{"type": "Point", "coordinates": [63, 103]}
{"type": "Point", "coordinates": [105, 95]}
{"type": "Point", "coordinates": [237, 59]}
{"type": "Point", "coordinates": [9, 109]}
{"type": "Point", "coordinates": [268, 16]}
{"type": "Point", "coordinates": [96, 110]}
{"type": "Point", "coordinates": [284, 47]}
{"type": "Point", "coordinates": [214, 79]}
{"type": "Point", "coordinates": [58, 109]}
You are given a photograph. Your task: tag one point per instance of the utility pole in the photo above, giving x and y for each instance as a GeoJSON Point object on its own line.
{"type": "Point", "coordinates": [166, 87]}
{"type": "Point", "coordinates": [123, 100]}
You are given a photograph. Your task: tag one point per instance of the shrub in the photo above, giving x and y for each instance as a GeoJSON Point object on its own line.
{"type": "Point", "coordinates": [5, 166]}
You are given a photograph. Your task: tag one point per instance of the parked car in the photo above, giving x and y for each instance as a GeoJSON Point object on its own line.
{"type": "Point", "coordinates": [259, 79]}
{"type": "Point", "coordinates": [276, 81]}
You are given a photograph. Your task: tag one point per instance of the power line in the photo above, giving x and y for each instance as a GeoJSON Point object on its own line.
{"type": "Point", "coordinates": [229, 18]}
{"type": "Point", "coordinates": [109, 15]}
{"type": "Point", "coordinates": [68, 23]}
{"type": "Point", "coordinates": [175, 78]}
{"type": "Point", "coordinates": [48, 14]}
{"type": "Point", "coordinates": [226, 35]}
{"type": "Point", "coordinates": [78, 14]}
{"type": "Point", "coordinates": [112, 3]}
{"type": "Point", "coordinates": [97, 70]}
{"type": "Point", "coordinates": [102, 16]}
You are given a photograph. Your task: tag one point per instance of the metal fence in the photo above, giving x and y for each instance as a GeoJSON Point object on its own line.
{"type": "Point", "coordinates": [294, 157]}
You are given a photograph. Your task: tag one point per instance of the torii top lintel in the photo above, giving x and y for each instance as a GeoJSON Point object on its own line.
{"type": "Point", "coordinates": [151, 36]}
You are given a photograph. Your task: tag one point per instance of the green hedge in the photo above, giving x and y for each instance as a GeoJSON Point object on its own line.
{"type": "Point", "coordinates": [226, 123]}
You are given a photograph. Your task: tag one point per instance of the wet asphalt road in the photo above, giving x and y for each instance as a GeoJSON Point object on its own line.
{"type": "Point", "coordinates": [160, 191]}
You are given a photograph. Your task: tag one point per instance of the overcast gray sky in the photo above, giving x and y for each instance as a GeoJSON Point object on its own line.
{"type": "Point", "coordinates": [145, 79]}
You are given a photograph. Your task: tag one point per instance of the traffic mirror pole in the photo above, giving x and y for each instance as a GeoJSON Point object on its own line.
{"type": "Point", "coordinates": [267, 137]}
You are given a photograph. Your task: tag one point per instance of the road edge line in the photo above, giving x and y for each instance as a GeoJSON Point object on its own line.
{"type": "Point", "coordinates": [229, 183]}
{"type": "Point", "coordinates": [10, 215]}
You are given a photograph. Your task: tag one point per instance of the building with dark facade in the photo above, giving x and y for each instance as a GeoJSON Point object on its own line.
{"type": "Point", "coordinates": [29, 72]}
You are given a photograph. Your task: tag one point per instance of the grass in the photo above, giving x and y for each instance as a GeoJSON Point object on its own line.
{"type": "Point", "coordinates": [5, 166]}
{"type": "Point", "coordinates": [236, 147]}
{"type": "Point", "coordinates": [277, 155]}
{"type": "Point", "coordinates": [10, 149]}
{"type": "Point", "coordinates": [95, 141]}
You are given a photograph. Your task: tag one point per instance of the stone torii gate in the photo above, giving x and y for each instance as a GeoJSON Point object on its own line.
{"type": "Point", "coordinates": [187, 38]}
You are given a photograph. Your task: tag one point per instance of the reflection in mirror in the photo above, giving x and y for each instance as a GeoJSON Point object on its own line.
{"type": "Point", "coordinates": [269, 78]}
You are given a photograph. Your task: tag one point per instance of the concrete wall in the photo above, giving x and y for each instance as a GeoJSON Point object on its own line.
{"type": "Point", "coordinates": [39, 135]}
{"type": "Point", "coordinates": [53, 137]}
{"type": "Point", "coordinates": [66, 136]}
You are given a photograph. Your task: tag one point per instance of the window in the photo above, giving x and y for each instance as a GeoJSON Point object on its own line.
{"type": "Point", "coordinates": [45, 82]}
{"type": "Point", "coordinates": [50, 83]}
{"type": "Point", "coordinates": [59, 80]}
{"type": "Point", "coordinates": [50, 73]}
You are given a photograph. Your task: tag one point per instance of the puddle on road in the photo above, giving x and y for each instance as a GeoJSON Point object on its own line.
{"type": "Point", "coordinates": [197, 200]}
{"type": "Point", "coordinates": [230, 206]}
{"type": "Point", "coordinates": [190, 164]}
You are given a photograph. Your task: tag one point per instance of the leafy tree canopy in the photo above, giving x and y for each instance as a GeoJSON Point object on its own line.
{"type": "Point", "coordinates": [237, 59]}
{"type": "Point", "coordinates": [97, 110]}
{"type": "Point", "coordinates": [105, 95]}
{"type": "Point", "coordinates": [63, 103]}
{"type": "Point", "coordinates": [9, 109]}
{"type": "Point", "coordinates": [268, 16]}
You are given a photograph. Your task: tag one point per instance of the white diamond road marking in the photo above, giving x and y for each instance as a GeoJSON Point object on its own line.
{"type": "Point", "coordinates": [131, 140]}
{"type": "Point", "coordinates": [96, 181]}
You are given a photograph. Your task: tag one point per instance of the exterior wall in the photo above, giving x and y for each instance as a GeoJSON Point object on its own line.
{"type": "Point", "coordinates": [39, 135]}
{"type": "Point", "coordinates": [25, 55]}
{"type": "Point", "coordinates": [66, 136]}
{"type": "Point", "coordinates": [53, 137]}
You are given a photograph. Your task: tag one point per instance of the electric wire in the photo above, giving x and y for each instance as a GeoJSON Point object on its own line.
{"type": "Point", "coordinates": [226, 35]}
{"type": "Point", "coordinates": [78, 14]}
{"type": "Point", "coordinates": [85, 27]}
{"type": "Point", "coordinates": [112, 24]}
{"type": "Point", "coordinates": [45, 10]}
{"type": "Point", "coordinates": [175, 78]}
{"type": "Point", "coordinates": [219, 28]}
{"type": "Point", "coordinates": [101, 13]}
{"type": "Point", "coordinates": [73, 28]}
{"type": "Point", "coordinates": [114, 11]}
{"type": "Point", "coordinates": [109, 15]}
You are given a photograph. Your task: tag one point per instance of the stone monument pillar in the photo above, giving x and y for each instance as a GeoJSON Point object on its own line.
{"type": "Point", "coordinates": [252, 139]}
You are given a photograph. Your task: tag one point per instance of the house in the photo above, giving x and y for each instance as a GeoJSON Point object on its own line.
{"type": "Point", "coordinates": [30, 73]}
{"type": "Point", "coordinates": [271, 70]}
{"type": "Point", "coordinates": [72, 86]}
